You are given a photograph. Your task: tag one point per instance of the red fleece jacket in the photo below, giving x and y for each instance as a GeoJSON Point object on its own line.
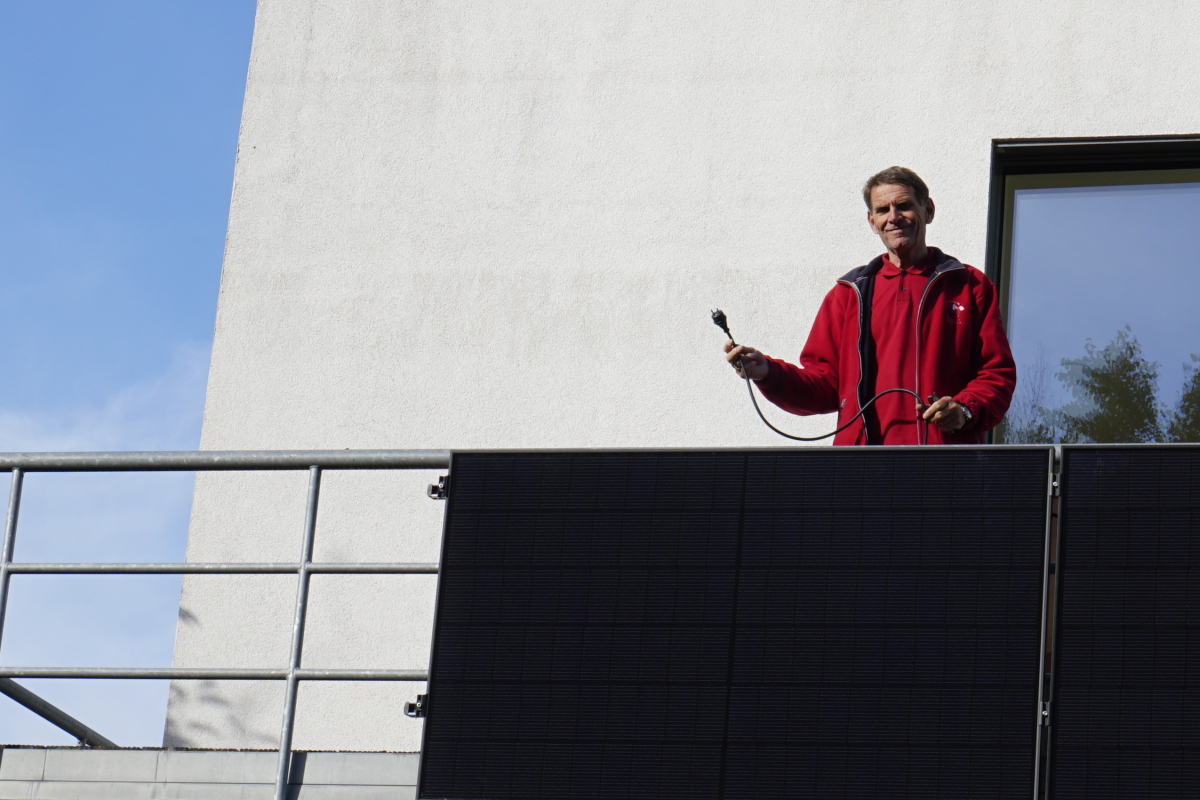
{"type": "Point", "coordinates": [956, 344]}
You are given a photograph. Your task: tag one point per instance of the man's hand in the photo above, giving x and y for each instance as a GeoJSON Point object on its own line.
{"type": "Point", "coordinates": [945, 413]}
{"type": "Point", "coordinates": [756, 362]}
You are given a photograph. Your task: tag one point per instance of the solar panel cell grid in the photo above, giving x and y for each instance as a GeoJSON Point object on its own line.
{"type": "Point", "coordinates": [913, 625]}
{"type": "Point", "coordinates": [586, 602]}
{"type": "Point", "coordinates": [1127, 693]}
{"type": "Point", "coordinates": [760, 624]}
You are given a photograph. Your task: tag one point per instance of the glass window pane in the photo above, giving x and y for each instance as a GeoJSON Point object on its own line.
{"type": "Point", "coordinates": [1102, 283]}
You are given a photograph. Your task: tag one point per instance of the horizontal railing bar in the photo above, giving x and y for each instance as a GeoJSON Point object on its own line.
{"type": "Point", "coordinates": [209, 460]}
{"type": "Point", "coordinates": [375, 569]}
{"type": "Point", "coordinates": [362, 675]}
{"type": "Point", "coordinates": [185, 674]}
{"type": "Point", "coordinates": [145, 673]}
{"type": "Point", "coordinates": [220, 569]}
{"type": "Point", "coordinates": [151, 569]}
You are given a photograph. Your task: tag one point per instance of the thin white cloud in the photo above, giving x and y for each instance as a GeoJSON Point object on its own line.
{"type": "Point", "coordinates": [102, 620]}
{"type": "Point", "coordinates": [163, 413]}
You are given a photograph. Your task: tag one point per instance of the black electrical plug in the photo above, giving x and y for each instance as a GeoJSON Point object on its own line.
{"type": "Point", "coordinates": [718, 318]}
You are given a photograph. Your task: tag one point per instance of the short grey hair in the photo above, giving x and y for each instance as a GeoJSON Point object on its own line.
{"type": "Point", "coordinates": [899, 176]}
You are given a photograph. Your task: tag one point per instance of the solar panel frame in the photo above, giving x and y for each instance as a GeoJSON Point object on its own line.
{"type": "Point", "coordinates": [517, 758]}
{"type": "Point", "coordinates": [930, 699]}
{"type": "Point", "coordinates": [1120, 724]}
{"type": "Point", "coordinates": [446, 576]}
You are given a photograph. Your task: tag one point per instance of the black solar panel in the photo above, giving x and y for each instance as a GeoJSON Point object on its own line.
{"type": "Point", "coordinates": [813, 623]}
{"type": "Point", "coordinates": [889, 625]}
{"type": "Point", "coordinates": [1126, 721]}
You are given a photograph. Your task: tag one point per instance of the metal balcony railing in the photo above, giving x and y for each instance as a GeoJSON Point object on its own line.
{"type": "Point", "coordinates": [314, 462]}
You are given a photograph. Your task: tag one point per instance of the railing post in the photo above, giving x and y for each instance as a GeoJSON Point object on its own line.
{"type": "Point", "coordinates": [289, 700]}
{"type": "Point", "coordinates": [10, 541]}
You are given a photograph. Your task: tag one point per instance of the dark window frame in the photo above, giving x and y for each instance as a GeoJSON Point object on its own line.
{"type": "Point", "coordinates": [1047, 156]}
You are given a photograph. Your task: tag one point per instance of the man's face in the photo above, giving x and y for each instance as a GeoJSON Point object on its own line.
{"type": "Point", "coordinates": [897, 218]}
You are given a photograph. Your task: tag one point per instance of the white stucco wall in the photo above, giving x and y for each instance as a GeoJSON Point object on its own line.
{"type": "Point", "coordinates": [504, 224]}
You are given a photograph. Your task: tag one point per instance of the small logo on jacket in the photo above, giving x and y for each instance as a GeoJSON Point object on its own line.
{"type": "Point", "coordinates": [955, 312]}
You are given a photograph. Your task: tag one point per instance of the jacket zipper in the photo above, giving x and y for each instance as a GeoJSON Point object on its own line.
{"type": "Point", "coordinates": [917, 332]}
{"type": "Point", "coordinates": [862, 367]}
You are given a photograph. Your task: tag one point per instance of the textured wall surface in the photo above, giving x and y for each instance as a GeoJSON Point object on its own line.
{"type": "Point", "coordinates": [504, 224]}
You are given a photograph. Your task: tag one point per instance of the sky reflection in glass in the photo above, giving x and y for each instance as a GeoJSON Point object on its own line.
{"type": "Point", "coordinates": [1087, 262]}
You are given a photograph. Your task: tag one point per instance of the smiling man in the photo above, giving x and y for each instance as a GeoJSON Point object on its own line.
{"type": "Point", "coordinates": [914, 318]}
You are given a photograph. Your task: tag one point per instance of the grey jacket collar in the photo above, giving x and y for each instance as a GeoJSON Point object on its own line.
{"type": "Point", "coordinates": [941, 263]}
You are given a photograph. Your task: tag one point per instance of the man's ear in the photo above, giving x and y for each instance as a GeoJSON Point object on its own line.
{"type": "Point", "coordinates": [929, 209]}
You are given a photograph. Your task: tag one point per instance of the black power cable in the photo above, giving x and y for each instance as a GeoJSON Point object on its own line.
{"type": "Point", "coordinates": [718, 318]}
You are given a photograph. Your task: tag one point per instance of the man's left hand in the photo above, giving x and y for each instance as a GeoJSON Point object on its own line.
{"type": "Point", "coordinates": [945, 413]}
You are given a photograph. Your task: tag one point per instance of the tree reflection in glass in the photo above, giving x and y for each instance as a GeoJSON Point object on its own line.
{"type": "Point", "coordinates": [1114, 399]}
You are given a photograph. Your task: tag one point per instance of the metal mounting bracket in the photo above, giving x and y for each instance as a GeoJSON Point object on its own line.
{"type": "Point", "coordinates": [416, 709]}
{"type": "Point", "coordinates": [439, 490]}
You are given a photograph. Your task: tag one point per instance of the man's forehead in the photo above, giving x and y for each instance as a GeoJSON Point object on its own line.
{"type": "Point", "coordinates": [886, 193]}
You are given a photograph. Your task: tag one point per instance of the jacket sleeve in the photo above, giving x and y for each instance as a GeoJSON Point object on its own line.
{"type": "Point", "coordinates": [812, 387]}
{"type": "Point", "coordinates": [989, 393]}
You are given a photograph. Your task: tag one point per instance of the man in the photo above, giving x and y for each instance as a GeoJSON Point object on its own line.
{"type": "Point", "coordinates": [914, 318]}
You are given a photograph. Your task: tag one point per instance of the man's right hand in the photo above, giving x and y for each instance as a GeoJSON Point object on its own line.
{"type": "Point", "coordinates": [756, 363]}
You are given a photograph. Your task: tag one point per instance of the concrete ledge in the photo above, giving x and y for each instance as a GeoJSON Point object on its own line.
{"type": "Point", "coordinates": [188, 766]}
{"type": "Point", "coordinates": [79, 774]}
{"type": "Point", "coordinates": [84, 790]}
{"type": "Point", "coordinates": [100, 765]}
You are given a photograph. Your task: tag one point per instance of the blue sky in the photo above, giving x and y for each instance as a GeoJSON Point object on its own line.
{"type": "Point", "coordinates": [118, 132]}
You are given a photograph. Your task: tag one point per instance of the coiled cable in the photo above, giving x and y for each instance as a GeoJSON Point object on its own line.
{"type": "Point", "coordinates": [719, 319]}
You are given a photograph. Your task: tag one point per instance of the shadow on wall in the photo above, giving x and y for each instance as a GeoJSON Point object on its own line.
{"type": "Point", "coordinates": [1115, 399]}
{"type": "Point", "coordinates": [219, 717]}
